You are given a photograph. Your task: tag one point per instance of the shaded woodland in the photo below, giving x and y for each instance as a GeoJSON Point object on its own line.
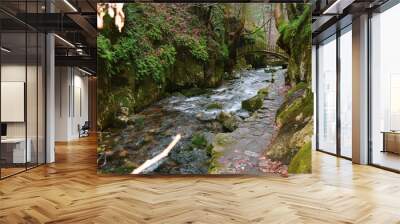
{"type": "Point", "coordinates": [167, 52]}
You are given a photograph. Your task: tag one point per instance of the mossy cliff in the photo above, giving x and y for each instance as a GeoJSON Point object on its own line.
{"type": "Point", "coordinates": [165, 48]}
{"type": "Point", "coordinates": [296, 128]}
{"type": "Point", "coordinates": [294, 25]}
{"type": "Point", "coordinates": [292, 145]}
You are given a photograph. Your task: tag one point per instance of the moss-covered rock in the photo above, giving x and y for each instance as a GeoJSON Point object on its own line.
{"type": "Point", "coordinates": [301, 163]}
{"type": "Point", "coordinates": [228, 121]}
{"type": "Point", "coordinates": [255, 102]}
{"type": "Point", "coordinates": [296, 125]}
{"type": "Point", "coordinates": [213, 106]}
{"type": "Point", "coordinates": [298, 105]}
{"type": "Point", "coordinates": [263, 91]}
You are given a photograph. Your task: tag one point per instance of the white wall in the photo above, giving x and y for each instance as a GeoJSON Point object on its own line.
{"type": "Point", "coordinates": [71, 103]}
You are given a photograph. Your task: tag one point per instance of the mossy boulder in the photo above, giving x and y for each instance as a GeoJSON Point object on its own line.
{"type": "Point", "coordinates": [214, 105]}
{"type": "Point", "coordinates": [255, 102]}
{"type": "Point", "coordinates": [294, 118]}
{"type": "Point", "coordinates": [301, 163]}
{"type": "Point", "coordinates": [263, 91]}
{"type": "Point", "coordinates": [228, 121]}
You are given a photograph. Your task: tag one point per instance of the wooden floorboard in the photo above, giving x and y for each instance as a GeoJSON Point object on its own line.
{"type": "Point", "coordinates": [70, 191]}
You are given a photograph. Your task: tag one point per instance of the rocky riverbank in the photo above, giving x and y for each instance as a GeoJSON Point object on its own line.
{"type": "Point", "coordinates": [209, 123]}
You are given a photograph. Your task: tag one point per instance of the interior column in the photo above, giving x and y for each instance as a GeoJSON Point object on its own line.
{"type": "Point", "coordinates": [360, 90]}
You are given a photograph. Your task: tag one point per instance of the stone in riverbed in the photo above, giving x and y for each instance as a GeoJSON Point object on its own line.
{"type": "Point", "coordinates": [205, 116]}
{"type": "Point", "coordinates": [213, 106]}
{"type": "Point", "coordinates": [255, 102]}
{"type": "Point", "coordinates": [228, 121]}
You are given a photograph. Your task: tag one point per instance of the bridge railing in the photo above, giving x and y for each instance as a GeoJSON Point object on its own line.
{"type": "Point", "coordinates": [276, 49]}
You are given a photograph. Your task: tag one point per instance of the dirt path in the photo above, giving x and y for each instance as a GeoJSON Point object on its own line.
{"type": "Point", "coordinates": [245, 151]}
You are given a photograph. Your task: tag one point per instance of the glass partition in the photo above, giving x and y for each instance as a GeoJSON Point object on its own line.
{"type": "Point", "coordinates": [14, 144]}
{"type": "Point", "coordinates": [327, 95]}
{"type": "Point", "coordinates": [22, 89]}
{"type": "Point", "coordinates": [385, 89]}
{"type": "Point", "coordinates": [346, 92]}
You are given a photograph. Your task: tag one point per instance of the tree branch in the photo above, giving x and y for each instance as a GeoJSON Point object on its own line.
{"type": "Point", "coordinates": [157, 158]}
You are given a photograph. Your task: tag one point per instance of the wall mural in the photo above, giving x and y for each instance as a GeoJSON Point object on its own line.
{"type": "Point", "coordinates": [204, 88]}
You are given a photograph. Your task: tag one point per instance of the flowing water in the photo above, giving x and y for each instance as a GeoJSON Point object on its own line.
{"type": "Point", "coordinates": [154, 128]}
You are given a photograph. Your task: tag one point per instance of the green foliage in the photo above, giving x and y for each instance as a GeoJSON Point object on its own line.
{"type": "Point", "coordinates": [198, 48]}
{"type": "Point", "coordinates": [295, 39]}
{"type": "Point", "coordinates": [199, 141]}
{"type": "Point", "coordinates": [150, 56]}
{"type": "Point", "coordinates": [301, 163]}
{"type": "Point", "coordinates": [149, 66]}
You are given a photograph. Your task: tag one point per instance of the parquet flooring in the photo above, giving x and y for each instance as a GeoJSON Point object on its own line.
{"type": "Point", "coordinates": [70, 191]}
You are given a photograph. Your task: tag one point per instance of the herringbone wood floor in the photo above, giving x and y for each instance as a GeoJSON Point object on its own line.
{"type": "Point", "coordinates": [70, 191]}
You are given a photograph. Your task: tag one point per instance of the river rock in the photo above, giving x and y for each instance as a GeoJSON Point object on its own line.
{"type": "Point", "coordinates": [228, 121]}
{"type": "Point", "coordinates": [201, 116]}
{"type": "Point", "coordinates": [253, 104]}
{"type": "Point", "coordinates": [214, 106]}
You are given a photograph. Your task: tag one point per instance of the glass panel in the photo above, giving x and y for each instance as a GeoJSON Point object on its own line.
{"type": "Point", "coordinates": [31, 98]}
{"type": "Point", "coordinates": [346, 93]}
{"type": "Point", "coordinates": [41, 99]}
{"type": "Point", "coordinates": [13, 86]}
{"type": "Point", "coordinates": [385, 84]}
{"type": "Point", "coordinates": [327, 96]}
{"type": "Point", "coordinates": [32, 87]}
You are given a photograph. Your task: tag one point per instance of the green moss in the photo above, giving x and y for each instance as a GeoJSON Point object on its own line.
{"type": "Point", "coordinates": [263, 91]}
{"type": "Point", "coordinates": [197, 47]}
{"type": "Point", "coordinates": [255, 102]}
{"type": "Point", "coordinates": [295, 39]}
{"type": "Point", "coordinates": [214, 165]}
{"type": "Point", "coordinates": [301, 163]}
{"type": "Point", "coordinates": [229, 122]}
{"type": "Point", "coordinates": [214, 105]}
{"type": "Point", "coordinates": [297, 87]}
{"type": "Point", "coordinates": [301, 106]}
{"type": "Point", "coordinates": [199, 141]}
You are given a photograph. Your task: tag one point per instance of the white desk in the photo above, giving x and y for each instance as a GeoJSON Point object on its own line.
{"type": "Point", "coordinates": [18, 144]}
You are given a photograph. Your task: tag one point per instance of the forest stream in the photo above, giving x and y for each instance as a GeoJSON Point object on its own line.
{"type": "Point", "coordinates": [237, 151]}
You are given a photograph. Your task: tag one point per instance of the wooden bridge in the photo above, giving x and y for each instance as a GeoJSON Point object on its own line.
{"type": "Point", "coordinates": [273, 51]}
